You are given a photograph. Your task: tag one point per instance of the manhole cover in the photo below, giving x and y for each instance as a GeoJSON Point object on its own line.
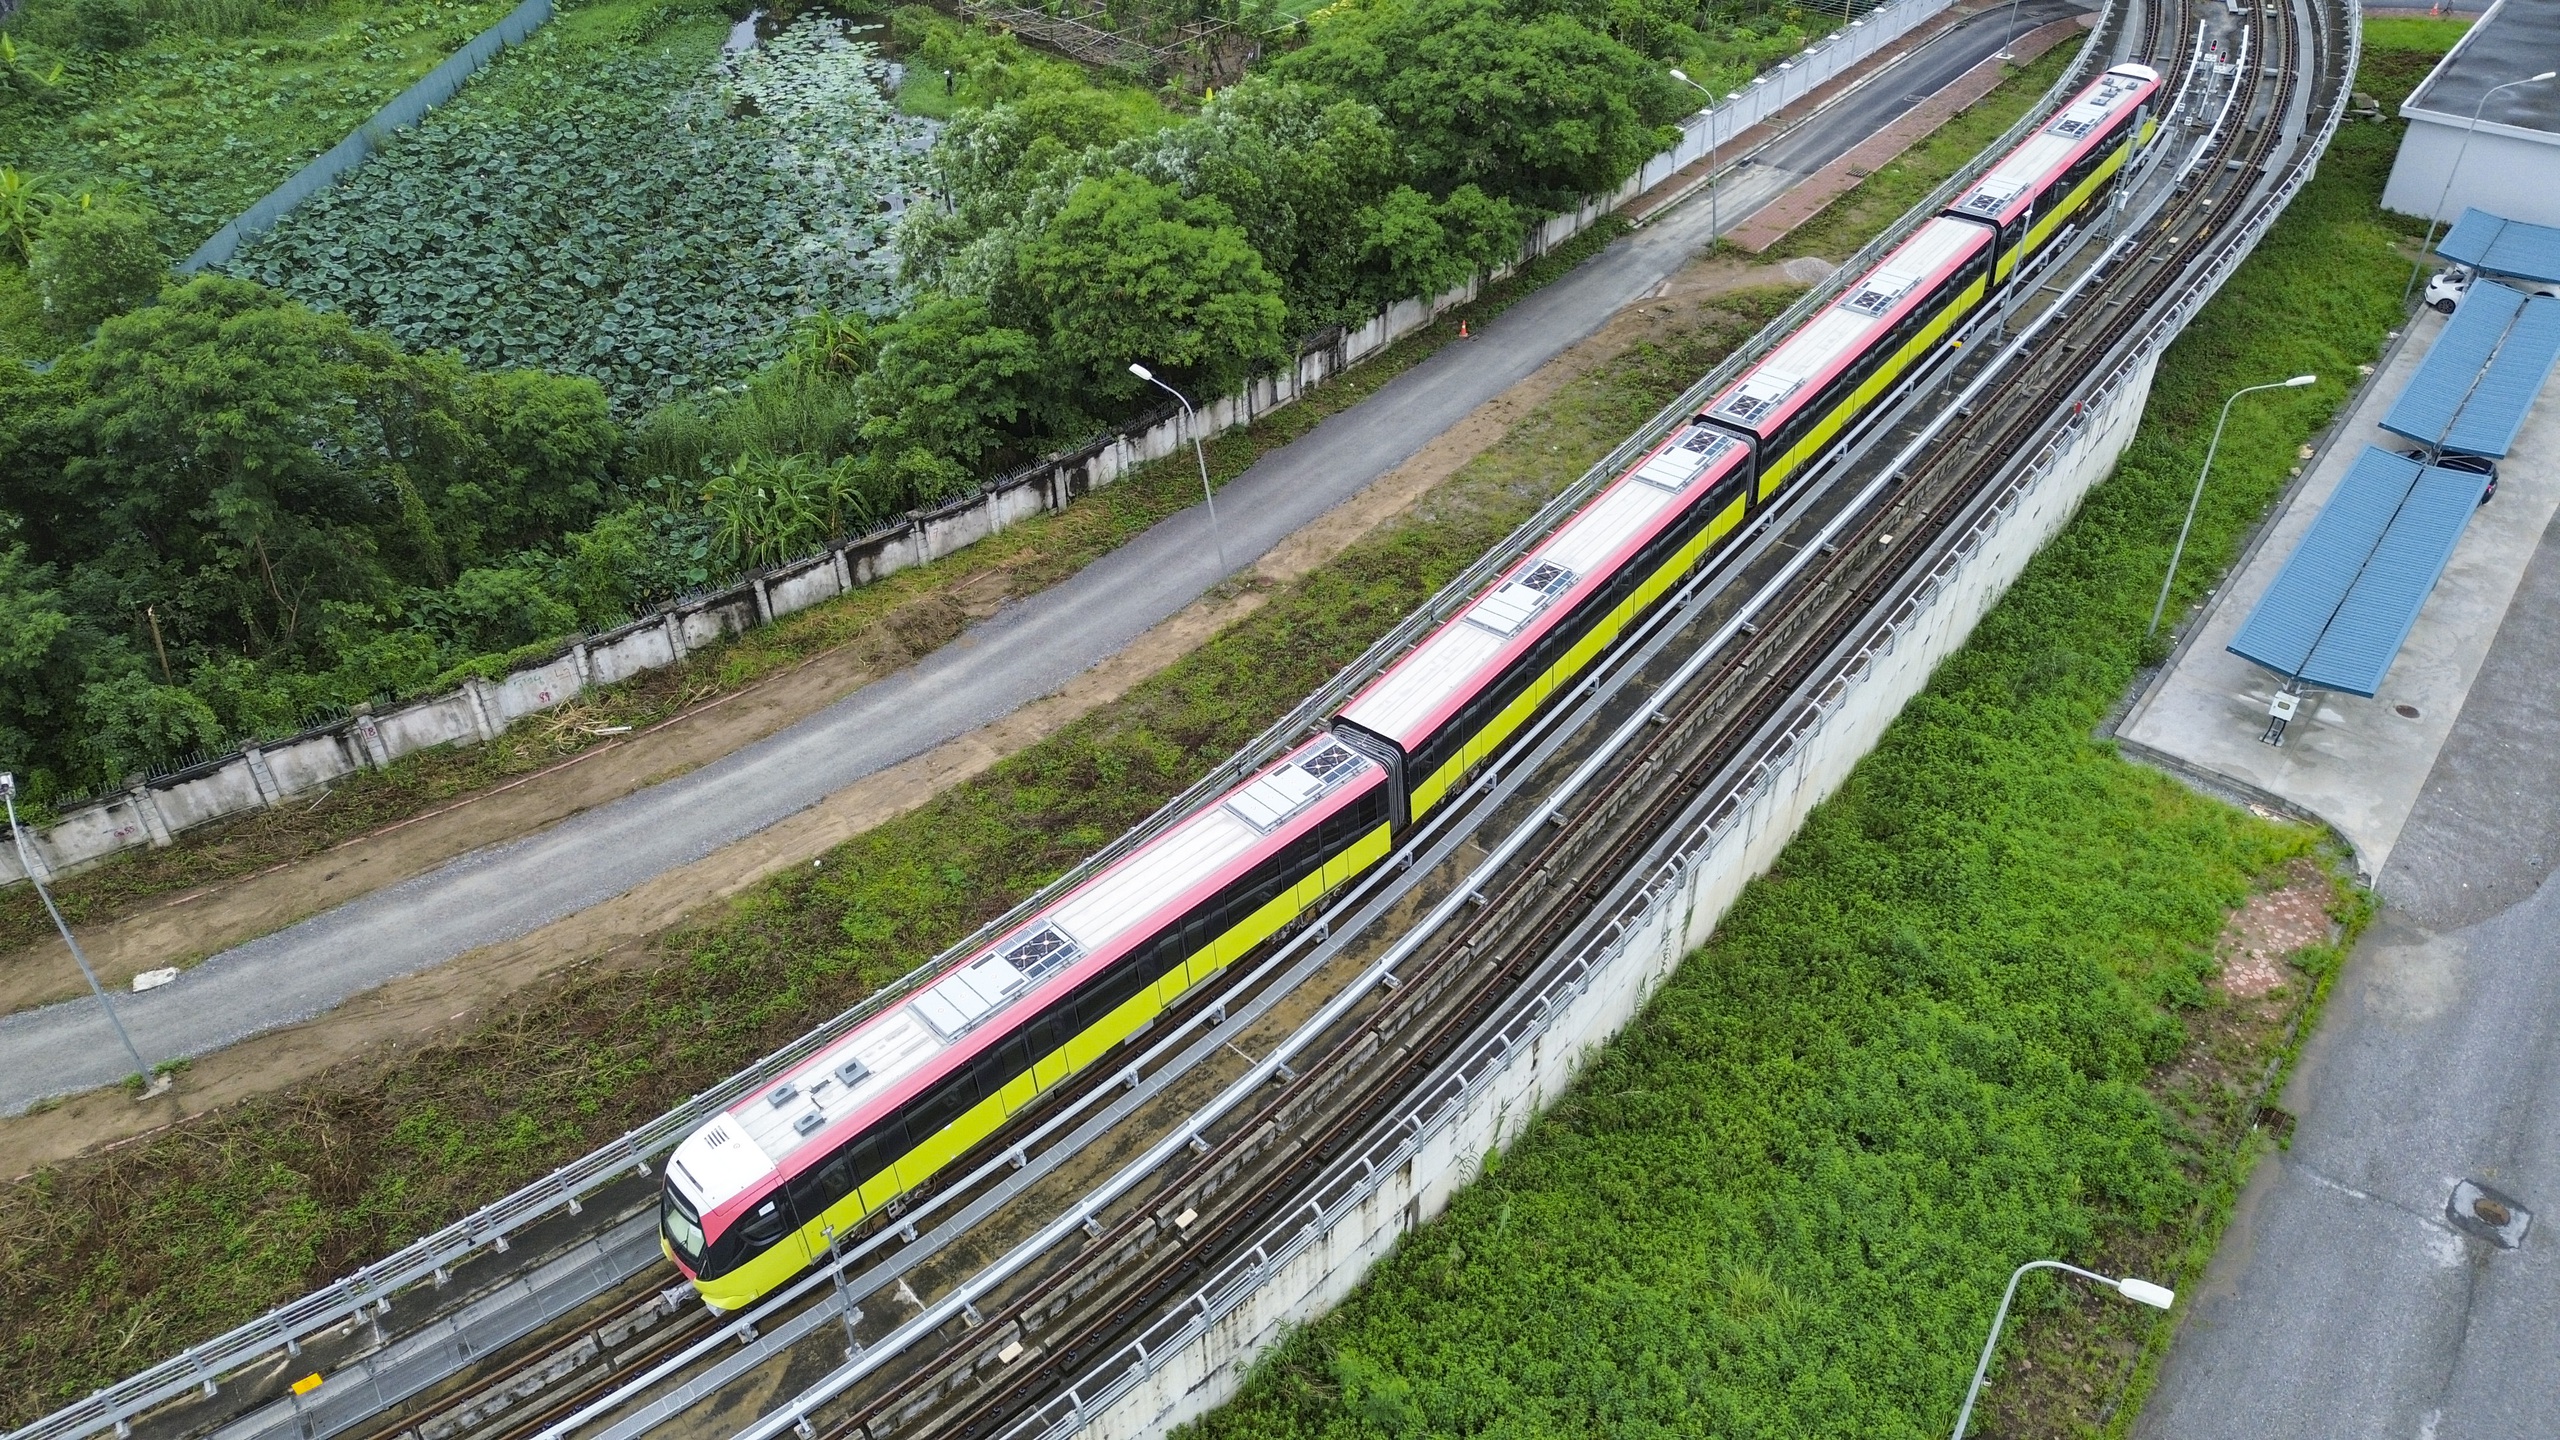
{"type": "Point", "coordinates": [2479, 1211]}
{"type": "Point", "coordinates": [2405, 712]}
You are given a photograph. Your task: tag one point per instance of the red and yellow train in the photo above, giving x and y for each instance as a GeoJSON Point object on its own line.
{"type": "Point", "coordinates": [750, 1198]}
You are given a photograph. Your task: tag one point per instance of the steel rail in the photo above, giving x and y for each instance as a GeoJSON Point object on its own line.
{"type": "Point", "coordinates": [2218, 267]}
{"type": "Point", "coordinates": [1213, 1300]}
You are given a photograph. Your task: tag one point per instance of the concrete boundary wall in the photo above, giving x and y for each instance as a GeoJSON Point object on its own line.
{"type": "Point", "coordinates": [156, 810]}
{"type": "Point", "coordinates": [1196, 1358]}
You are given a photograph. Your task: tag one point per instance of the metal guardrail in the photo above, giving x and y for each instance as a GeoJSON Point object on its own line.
{"type": "Point", "coordinates": [368, 1292]}
{"type": "Point", "coordinates": [416, 1362]}
{"type": "Point", "coordinates": [1308, 1224]}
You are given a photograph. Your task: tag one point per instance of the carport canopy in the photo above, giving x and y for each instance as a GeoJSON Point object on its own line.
{"type": "Point", "coordinates": [2471, 393]}
{"type": "Point", "coordinates": [2345, 600]}
{"type": "Point", "coordinates": [2503, 247]}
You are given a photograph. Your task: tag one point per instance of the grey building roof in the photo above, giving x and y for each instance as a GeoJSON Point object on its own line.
{"type": "Point", "coordinates": [2515, 39]}
{"type": "Point", "coordinates": [2347, 596]}
{"type": "Point", "coordinates": [2503, 247]}
{"type": "Point", "coordinates": [2471, 393]}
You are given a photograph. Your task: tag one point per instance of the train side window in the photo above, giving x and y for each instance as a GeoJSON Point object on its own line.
{"type": "Point", "coordinates": [939, 1107]}
{"type": "Point", "coordinates": [765, 1224]}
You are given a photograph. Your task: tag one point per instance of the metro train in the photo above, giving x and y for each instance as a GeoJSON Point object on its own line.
{"type": "Point", "coordinates": [830, 1149]}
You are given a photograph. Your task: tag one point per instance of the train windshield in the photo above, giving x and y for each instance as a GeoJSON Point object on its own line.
{"type": "Point", "coordinates": [684, 1231]}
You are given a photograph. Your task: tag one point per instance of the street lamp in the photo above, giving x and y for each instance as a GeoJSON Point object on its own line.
{"type": "Point", "coordinates": [1715, 112]}
{"type": "Point", "coordinates": [151, 1084]}
{"type": "Point", "coordinates": [2008, 35]}
{"type": "Point", "coordinates": [2459, 151]}
{"type": "Point", "coordinates": [1216, 534]}
{"type": "Point", "coordinates": [2158, 1297]}
{"type": "Point", "coordinates": [2296, 383]}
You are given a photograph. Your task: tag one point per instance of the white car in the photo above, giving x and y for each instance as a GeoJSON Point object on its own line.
{"type": "Point", "coordinates": [2445, 287]}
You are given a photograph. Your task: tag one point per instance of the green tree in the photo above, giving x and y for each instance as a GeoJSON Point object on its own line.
{"type": "Point", "coordinates": [1295, 166]}
{"type": "Point", "coordinates": [90, 261]}
{"type": "Point", "coordinates": [951, 385]}
{"type": "Point", "coordinates": [1128, 270]}
{"type": "Point", "coordinates": [1541, 110]}
{"type": "Point", "coordinates": [1426, 247]}
{"type": "Point", "coordinates": [135, 723]}
{"type": "Point", "coordinates": [503, 462]}
{"type": "Point", "coordinates": [43, 663]}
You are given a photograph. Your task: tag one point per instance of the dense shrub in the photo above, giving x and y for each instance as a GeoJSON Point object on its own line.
{"type": "Point", "coordinates": [90, 261]}
{"type": "Point", "coordinates": [263, 493]}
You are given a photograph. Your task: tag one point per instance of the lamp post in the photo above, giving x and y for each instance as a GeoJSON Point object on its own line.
{"type": "Point", "coordinates": [2158, 1297]}
{"type": "Point", "coordinates": [2447, 193]}
{"type": "Point", "coordinates": [151, 1084]}
{"type": "Point", "coordinates": [2008, 35]}
{"type": "Point", "coordinates": [1715, 112]}
{"type": "Point", "coordinates": [2296, 383]}
{"type": "Point", "coordinates": [1217, 535]}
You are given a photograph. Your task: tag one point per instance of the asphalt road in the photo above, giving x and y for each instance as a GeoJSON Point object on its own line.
{"type": "Point", "coordinates": [2342, 1304]}
{"type": "Point", "coordinates": [1029, 650]}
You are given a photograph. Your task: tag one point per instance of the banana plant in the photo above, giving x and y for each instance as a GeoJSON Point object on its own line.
{"type": "Point", "coordinates": [24, 202]}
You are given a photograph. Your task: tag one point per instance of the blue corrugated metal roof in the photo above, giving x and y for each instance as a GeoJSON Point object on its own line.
{"type": "Point", "coordinates": [2344, 601]}
{"type": "Point", "coordinates": [2473, 390]}
{"type": "Point", "coordinates": [2502, 246]}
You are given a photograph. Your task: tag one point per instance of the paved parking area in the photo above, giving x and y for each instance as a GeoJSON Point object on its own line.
{"type": "Point", "coordinates": [2345, 1301]}
{"type": "Point", "coordinates": [2342, 1302]}
{"type": "Point", "coordinates": [2357, 764]}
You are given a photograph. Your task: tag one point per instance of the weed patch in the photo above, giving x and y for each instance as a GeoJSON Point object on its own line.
{"type": "Point", "coordinates": [209, 107]}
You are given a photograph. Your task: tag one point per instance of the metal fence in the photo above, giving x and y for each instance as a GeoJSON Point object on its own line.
{"type": "Point", "coordinates": [405, 109]}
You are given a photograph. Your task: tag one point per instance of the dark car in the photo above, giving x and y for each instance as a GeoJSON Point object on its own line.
{"type": "Point", "coordinates": [2480, 465]}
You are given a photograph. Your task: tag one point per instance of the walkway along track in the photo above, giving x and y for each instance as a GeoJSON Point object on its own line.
{"type": "Point", "coordinates": [1253, 1185]}
{"type": "Point", "coordinates": [1081, 1304]}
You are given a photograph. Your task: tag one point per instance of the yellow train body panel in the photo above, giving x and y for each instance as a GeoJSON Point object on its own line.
{"type": "Point", "coordinates": [1855, 403]}
{"type": "Point", "coordinates": [1572, 663]}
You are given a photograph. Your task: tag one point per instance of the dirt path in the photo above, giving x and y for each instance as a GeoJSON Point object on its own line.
{"type": "Point", "coordinates": [414, 1009]}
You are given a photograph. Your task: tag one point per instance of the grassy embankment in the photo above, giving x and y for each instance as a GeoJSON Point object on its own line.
{"type": "Point", "coordinates": [1968, 1019]}
{"type": "Point", "coordinates": [895, 622]}
{"type": "Point", "coordinates": [110, 1260]}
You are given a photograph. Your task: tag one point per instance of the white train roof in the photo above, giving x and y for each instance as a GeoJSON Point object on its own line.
{"type": "Point", "coordinates": [1775, 388]}
{"type": "Point", "coordinates": [758, 1136]}
{"type": "Point", "coordinates": [1411, 699]}
{"type": "Point", "coordinates": [2003, 189]}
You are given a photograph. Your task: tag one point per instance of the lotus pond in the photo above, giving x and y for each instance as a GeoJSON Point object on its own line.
{"type": "Point", "coordinates": [624, 199]}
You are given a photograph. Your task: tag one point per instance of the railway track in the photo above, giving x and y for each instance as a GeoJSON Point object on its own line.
{"type": "Point", "coordinates": [1009, 1359]}
{"type": "Point", "coordinates": [1005, 1356]}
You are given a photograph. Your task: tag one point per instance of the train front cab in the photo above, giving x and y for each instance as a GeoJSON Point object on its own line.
{"type": "Point", "coordinates": [861, 1180]}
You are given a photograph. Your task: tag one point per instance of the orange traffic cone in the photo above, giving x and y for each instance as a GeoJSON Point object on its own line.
{"type": "Point", "coordinates": [1462, 330]}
